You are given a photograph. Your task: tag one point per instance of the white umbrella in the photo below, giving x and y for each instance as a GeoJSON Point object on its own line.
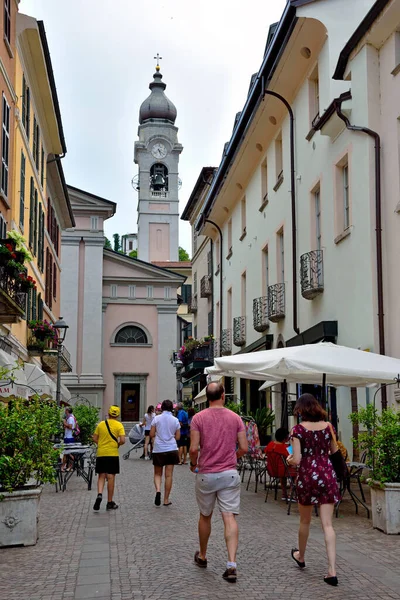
{"type": "Point", "coordinates": [39, 381]}
{"type": "Point", "coordinates": [18, 385]}
{"type": "Point", "coordinates": [309, 363]}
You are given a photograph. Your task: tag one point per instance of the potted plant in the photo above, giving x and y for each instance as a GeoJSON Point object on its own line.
{"type": "Point", "coordinates": [22, 255]}
{"type": "Point", "coordinates": [381, 441]}
{"type": "Point", "coordinates": [264, 418]}
{"type": "Point", "coordinates": [7, 252]}
{"type": "Point", "coordinates": [27, 460]}
{"type": "Point", "coordinates": [13, 267]}
{"type": "Point", "coordinates": [42, 330]}
{"type": "Point", "coordinates": [26, 282]}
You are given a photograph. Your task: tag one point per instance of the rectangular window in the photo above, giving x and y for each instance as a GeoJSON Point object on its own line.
{"type": "Point", "coordinates": [31, 212]}
{"type": "Point", "coordinates": [279, 159]}
{"type": "Point", "coordinates": [131, 245]}
{"type": "Point", "coordinates": [26, 107]}
{"type": "Point", "coordinates": [40, 307]}
{"type": "Point", "coordinates": [186, 291]}
{"type": "Point", "coordinates": [229, 238]}
{"type": "Point", "coordinates": [265, 271]}
{"type": "Point", "coordinates": [243, 216]}
{"type": "Point", "coordinates": [264, 183]}
{"type": "Point", "coordinates": [40, 239]}
{"type": "Point", "coordinates": [313, 91]}
{"type": "Point", "coordinates": [94, 223]}
{"type": "Point", "coordinates": [195, 236]}
{"type": "Point", "coordinates": [317, 205]}
{"type": "Point", "coordinates": [3, 227]}
{"type": "Point", "coordinates": [7, 20]}
{"type": "Point", "coordinates": [54, 281]}
{"type": "Point", "coordinates": [195, 332]}
{"type": "Point", "coordinates": [42, 168]}
{"type": "Point", "coordinates": [150, 292]}
{"type": "Point", "coordinates": [281, 256]}
{"type": "Point", "coordinates": [114, 291]}
{"type": "Point", "coordinates": [29, 305]}
{"type": "Point", "coordinates": [195, 284]}
{"type": "Point", "coordinates": [42, 246]}
{"type": "Point", "coordinates": [210, 323]}
{"type": "Point", "coordinates": [5, 149]}
{"type": "Point", "coordinates": [167, 293]}
{"type": "Point", "coordinates": [346, 195]}
{"type": "Point", "coordinates": [34, 140]}
{"type": "Point", "coordinates": [34, 304]}
{"type": "Point", "coordinates": [22, 191]}
{"type": "Point", "coordinates": [132, 292]}
{"type": "Point", "coordinates": [48, 279]}
{"type": "Point", "coordinates": [35, 223]}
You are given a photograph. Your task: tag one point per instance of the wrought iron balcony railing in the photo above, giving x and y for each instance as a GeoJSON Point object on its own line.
{"type": "Point", "coordinates": [312, 274]}
{"type": "Point", "coordinates": [12, 299]}
{"type": "Point", "coordinates": [276, 302]}
{"type": "Point", "coordinates": [192, 304]}
{"type": "Point", "coordinates": [260, 314]}
{"type": "Point", "coordinates": [239, 331]}
{"type": "Point", "coordinates": [205, 287]}
{"type": "Point", "coordinates": [226, 342]}
{"type": "Point", "coordinates": [216, 348]}
{"type": "Point", "coordinates": [204, 353]}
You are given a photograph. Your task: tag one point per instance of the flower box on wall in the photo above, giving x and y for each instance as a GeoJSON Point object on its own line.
{"type": "Point", "coordinates": [19, 517]}
{"type": "Point", "coordinates": [385, 500]}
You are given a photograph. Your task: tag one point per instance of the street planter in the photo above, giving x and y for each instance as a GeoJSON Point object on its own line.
{"type": "Point", "coordinates": [19, 517]}
{"type": "Point", "coordinates": [385, 501]}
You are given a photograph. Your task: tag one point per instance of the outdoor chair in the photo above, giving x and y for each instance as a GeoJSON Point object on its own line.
{"type": "Point", "coordinates": [256, 465]}
{"type": "Point", "coordinates": [276, 470]}
{"type": "Point", "coordinates": [356, 472]}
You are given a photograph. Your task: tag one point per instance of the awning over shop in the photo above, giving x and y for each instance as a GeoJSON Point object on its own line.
{"type": "Point", "coordinates": [17, 387]}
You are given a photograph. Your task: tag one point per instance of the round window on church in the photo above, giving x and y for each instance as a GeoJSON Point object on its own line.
{"type": "Point", "coordinates": [131, 335]}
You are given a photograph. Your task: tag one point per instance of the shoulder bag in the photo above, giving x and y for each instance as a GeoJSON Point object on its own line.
{"type": "Point", "coordinates": [110, 432]}
{"type": "Point", "coordinates": [337, 460]}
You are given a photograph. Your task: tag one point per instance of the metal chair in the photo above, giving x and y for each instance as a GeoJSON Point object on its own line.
{"type": "Point", "coordinates": [276, 471]}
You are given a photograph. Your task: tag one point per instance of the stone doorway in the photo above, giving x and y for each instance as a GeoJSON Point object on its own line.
{"type": "Point", "coordinates": [130, 401]}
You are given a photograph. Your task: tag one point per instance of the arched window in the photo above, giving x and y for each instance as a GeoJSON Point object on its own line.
{"type": "Point", "coordinates": [159, 178]}
{"type": "Point", "coordinates": [131, 335]}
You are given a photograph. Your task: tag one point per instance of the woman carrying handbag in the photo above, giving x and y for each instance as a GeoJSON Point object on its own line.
{"type": "Point", "coordinates": [313, 443]}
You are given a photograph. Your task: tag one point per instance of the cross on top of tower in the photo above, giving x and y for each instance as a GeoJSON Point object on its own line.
{"type": "Point", "coordinates": [158, 58]}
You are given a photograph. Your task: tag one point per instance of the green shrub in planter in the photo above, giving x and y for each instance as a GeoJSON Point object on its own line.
{"type": "Point", "coordinates": [26, 447]}
{"type": "Point", "coordinates": [381, 440]}
{"type": "Point", "coordinates": [87, 418]}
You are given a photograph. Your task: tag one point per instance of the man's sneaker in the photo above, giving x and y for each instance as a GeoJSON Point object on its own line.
{"type": "Point", "coordinates": [147, 458]}
{"type": "Point", "coordinates": [111, 506]}
{"type": "Point", "coordinates": [230, 575]}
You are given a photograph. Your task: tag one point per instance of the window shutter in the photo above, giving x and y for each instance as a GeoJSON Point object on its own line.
{"type": "Point", "coordinates": [54, 281]}
{"type": "Point", "coordinates": [35, 224]}
{"type": "Point", "coordinates": [42, 247]}
{"type": "Point", "coordinates": [50, 282]}
{"type": "Point", "coordinates": [29, 305]}
{"type": "Point", "coordinates": [210, 322]}
{"type": "Point", "coordinates": [28, 113]}
{"type": "Point", "coordinates": [57, 239]}
{"type": "Point", "coordinates": [40, 241]}
{"type": "Point", "coordinates": [47, 288]}
{"type": "Point", "coordinates": [40, 307]}
{"type": "Point", "coordinates": [22, 191]}
{"type": "Point", "coordinates": [34, 141]}
{"type": "Point", "coordinates": [34, 304]}
{"type": "Point", "coordinates": [42, 168]}
{"type": "Point", "coordinates": [31, 212]}
{"type": "Point", "coordinates": [23, 101]}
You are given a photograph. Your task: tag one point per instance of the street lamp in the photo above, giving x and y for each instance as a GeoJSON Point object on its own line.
{"type": "Point", "coordinates": [61, 328]}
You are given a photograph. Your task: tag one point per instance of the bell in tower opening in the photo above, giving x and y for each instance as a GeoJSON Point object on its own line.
{"type": "Point", "coordinates": [159, 178]}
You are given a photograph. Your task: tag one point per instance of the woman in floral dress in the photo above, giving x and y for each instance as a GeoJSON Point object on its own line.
{"type": "Point", "coordinates": [312, 442]}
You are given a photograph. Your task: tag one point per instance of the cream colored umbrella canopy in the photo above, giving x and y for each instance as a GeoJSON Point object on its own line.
{"type": "Point", "coordinates": [341, 365]}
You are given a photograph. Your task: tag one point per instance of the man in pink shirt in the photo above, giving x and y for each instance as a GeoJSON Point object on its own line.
{"type": "Point", "coordinates": [218, 432]}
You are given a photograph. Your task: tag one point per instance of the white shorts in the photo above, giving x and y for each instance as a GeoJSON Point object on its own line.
{"type": "Point", "coordinates": [221, 487]}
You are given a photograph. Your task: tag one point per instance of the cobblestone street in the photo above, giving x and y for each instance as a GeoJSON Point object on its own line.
{"type": "Point", "coordinates": [146, 553]}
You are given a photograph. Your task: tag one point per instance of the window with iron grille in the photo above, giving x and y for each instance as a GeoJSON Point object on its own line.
{"type": "Point", "coordinates": [7, 20]}
{"type": "Point", "coordinates": [5, 149]}
{"type": "Point", "coordinates": [26, 107]}
{"type": "Point", "coordinates": [22, 191]}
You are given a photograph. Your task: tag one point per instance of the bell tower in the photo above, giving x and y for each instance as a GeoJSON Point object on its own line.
{"type": "Point", "coordinates": [157, 156]}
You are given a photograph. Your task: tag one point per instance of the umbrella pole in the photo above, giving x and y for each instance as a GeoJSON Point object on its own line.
{"type": "Point", "coordinates": [323, 395]}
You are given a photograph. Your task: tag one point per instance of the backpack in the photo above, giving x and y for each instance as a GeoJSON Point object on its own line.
{"type": "Point", "coordinates": [75, 430]}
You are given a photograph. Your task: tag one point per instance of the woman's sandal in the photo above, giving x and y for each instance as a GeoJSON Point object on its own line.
{"type": "Point", "coordinates": [331, 580]}
{"type": "Point", "coordinates": [299, 563]}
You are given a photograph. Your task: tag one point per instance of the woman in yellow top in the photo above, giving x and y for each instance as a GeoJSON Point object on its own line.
{"type": "Point", "coordinates": [109, 436]}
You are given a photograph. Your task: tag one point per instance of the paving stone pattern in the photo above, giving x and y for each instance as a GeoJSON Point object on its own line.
{"type": "Point", "coordinates": [141, 552]}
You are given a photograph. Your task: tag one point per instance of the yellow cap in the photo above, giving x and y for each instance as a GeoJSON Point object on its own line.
{"type": "Point", "coordinates": [114, 411]}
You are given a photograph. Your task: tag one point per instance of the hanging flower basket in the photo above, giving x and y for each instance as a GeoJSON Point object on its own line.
{"type": "Point", "coordinates": [26, 282]}
{"type": "Point", "coordinates": [42, 330]}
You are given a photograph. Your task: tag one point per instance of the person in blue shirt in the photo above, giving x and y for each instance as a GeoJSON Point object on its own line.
{"type": "Point", "coordinates": [183, 419]}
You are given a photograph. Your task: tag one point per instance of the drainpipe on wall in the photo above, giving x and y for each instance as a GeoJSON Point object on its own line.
{"type": "Point", "coordinates": [293, 204]}
{"type": "Point", "coordinates": [378, 228]}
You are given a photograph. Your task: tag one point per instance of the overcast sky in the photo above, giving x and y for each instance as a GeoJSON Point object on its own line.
{"type": "Point", "coordinates": [102, 53]}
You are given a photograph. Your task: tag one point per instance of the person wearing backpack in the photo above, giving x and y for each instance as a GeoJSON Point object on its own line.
{"type": "Point", "coordinates": [183, 419]}
{"type": "Point", "coordinates": [109, 436]}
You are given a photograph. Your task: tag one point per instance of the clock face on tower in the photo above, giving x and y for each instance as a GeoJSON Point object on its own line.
{"type": "Point", "coordinates": [159, 150]}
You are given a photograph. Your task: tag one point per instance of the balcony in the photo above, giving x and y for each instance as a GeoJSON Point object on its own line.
{"type": "Point", "coordinates": [312, 274]}
{"type": "Point", "coordinates": [226, 342]}
{"type": "Point", "coordinates": [198, 359]}
{"type": "Point", "coordinates": [260, 314]}
{"type": "Point", "coordinates": [12, 299]}
{"type": "Point", "coordinates": [205, 287]}
{"type": "Point", "coordinates": [276, 302]}
{"type": "Point", "coordinates": [192, 304]}
{"type": "Point", "coordinates": [239, 331]}
{"type": "Point", "coordinates": [47, 350]}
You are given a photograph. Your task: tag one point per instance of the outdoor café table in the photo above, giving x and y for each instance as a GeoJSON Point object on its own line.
{"type": "Point", "coordinates": [355, 470]}
{"type": "Point", "coordinates": [76, 453]}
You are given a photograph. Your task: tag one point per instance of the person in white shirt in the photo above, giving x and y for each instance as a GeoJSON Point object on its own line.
{"type": "Point", "coordinates": [165, 430]}
{"type": "Point", "coordinates": [146, 423]}
{"type": "Point", "coordinates": [68, 424]}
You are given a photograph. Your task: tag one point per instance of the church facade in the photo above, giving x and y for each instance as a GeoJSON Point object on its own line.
{"type": "Point", "coordinates": [122, 311]}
